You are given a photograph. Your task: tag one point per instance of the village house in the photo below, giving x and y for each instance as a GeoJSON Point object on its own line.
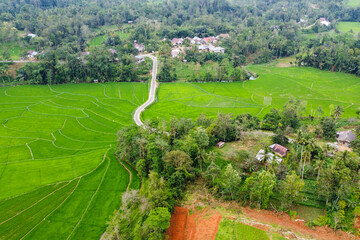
{"type": "Point", "coordinates": [220, 144]}
{"type": "Point", "coordinates": [279, 150]}
{"type": "Point", "coordinates": [130, 22]}
{"type": "Point", "coordinates": [203, 48]}
{"type": "Point", "coordinates": [139, 59]}
{"type": "Point", "coordinates": [345, 137]}
{"type": "Point", "coordinates": [216, 49]}
{"type": "Point", "coordinates": [324, 22]}
{"type": "Point", "coordinates": [223, 35]}
{"type": "Point", "coordinates": [197, 40]}
{"type": "Point", "coordinates": [270, 157]}
{"type": "Point", "coordinates": [177, 41]}
{"type": "Point", "coordinates": [31, 35]}
{"type": "Point", "coordinates": [192, 41]}
{"type": "Point", "coordinates": [32, 54]}
{"type": "Point", "coordinates": [139, 47]}
{"type": "Point", "coordinates": [113, 51]}
{"type": "Point", "coordinates": [208, 40]}
{"type": "Point", "coordinates": [175, 53]}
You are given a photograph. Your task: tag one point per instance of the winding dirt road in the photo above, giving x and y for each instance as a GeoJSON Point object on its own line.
{"type": "Point", "coordinates": [152, 92]}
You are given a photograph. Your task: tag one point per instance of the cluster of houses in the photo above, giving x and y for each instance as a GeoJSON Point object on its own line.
{"type": "Point", "coordinates": [278, 152]}
{"type": "Point", "coordinates": [204, 44]}
{"type": "Point", "coordinates": [323, 21]}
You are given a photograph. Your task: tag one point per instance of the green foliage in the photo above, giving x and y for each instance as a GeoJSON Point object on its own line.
{"type": "Point", "coordinates": [258, 188]}
{"type": "Point", "coordinates": [158, 219]}
{"type": "Point", "coordinates": [290, 190]}
{"type": "Point", "coordinates": [328, 128]}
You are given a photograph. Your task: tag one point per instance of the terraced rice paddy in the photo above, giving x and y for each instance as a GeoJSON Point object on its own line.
{"type": "Point", "coordinates": [272, 89]}
{"type": "Point", "coordinates": [59, 178]}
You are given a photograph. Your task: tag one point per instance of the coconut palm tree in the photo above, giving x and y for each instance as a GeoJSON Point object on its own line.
{"type": "Point", "coordinates": [319, 164]}
{"type": "Point", "coordinates": [338, 111]}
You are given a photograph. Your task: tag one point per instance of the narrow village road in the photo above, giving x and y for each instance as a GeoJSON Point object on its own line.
{"type": "Point", "coordinates": [152, 92]}
{"type": "Point", "coordinates": [18, 61]}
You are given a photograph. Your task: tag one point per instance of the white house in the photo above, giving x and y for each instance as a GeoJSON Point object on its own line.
{"type": "Point", "coordinates": [139, 59]}
{"type": "Point", "coordinates": [175, 53]}
{"type": "Point", "coordinates": [216, 49]}
{"type": "Point", "coordinates": [32, 54]}
{"type": "Point", "coordinates": [31, 35]}
{"type": "Point", "coordinates": [324, 22]}
{"type": "Point", "coordinates": [197, 40]}
{"type": "Point", "coordinates": [177, 41]}
{"type": "Point", "coordinates": [139, 47]}
{"type": "Point", "coordinates": [203, 48]}
{"type": "Point", "coordinates": [260, 156]}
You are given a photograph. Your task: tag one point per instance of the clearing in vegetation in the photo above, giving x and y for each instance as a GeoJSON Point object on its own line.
{"type": "Point", "coordinates": [97, 41]}
{"type": "Point", "coordinates": [15, 49]}
{"type": "Point", "coordinates": [314, 87]}
{"type": "Point", "coordinates": [59, 177]}
{"type": "Point", "coordinates": [349, 26]}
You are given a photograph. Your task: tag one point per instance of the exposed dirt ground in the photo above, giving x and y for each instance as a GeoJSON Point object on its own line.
{"type": "Point", "coordinates": [298, 227]}
{"type": "Point", "coordinates": [178, 220]}
{"type": "Point", "coordinates": [204, 224]}
{"type": "Point", "coordinates": [201, 225]}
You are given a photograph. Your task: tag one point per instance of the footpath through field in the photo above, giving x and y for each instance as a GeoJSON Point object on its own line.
{"type": "Point", "coordinates": [152, 92]}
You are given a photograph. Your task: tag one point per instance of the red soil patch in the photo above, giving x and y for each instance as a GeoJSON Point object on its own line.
{"type": "Point", "coordinates": [285, 221]}
{"type": "Point", "coordinates": [202, 225]}
{"type": "Point", "coordinates": [357, 224]}
{"type": "Point", "coordinates": [176, 231]}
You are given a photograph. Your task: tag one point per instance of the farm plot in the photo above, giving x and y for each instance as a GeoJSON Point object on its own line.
{"type": "Point", "coordinates": [233, 230]}
{"type": "Point", "coordinates": [272, 89]}
{"type": "Point", "coordinates": [345, 27]}
{"type": "Point", "coordinates": [59, 177]}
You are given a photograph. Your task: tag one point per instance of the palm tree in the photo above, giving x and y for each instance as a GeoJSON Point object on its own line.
{"type": "Point", "coordinates": [338, 111]}
{"type": "Point", "coordinates": [299, 136]}
{"type": "Point", "coordinates": [302, 142]}
{"type": "Point", "coordinates": [327, 149]}
{"type": "Point", "coordinates": [311, 147]}
{"type": "Point", "coordinates": [307, 154]}
{"type": "Point", "coordinates": [319, 164]}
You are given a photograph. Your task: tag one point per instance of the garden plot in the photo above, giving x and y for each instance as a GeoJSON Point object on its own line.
{"type": "Point", "coordinates": [58, 176]}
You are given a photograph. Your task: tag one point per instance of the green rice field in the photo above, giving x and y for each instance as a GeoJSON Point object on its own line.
{"type": "Point", "coordinates": [353, 3]}
{"type": "Point", "coordinates": [272, 89]}
{"type": "Point", "coordinates": [97, 41]}
{"type": "Point", "coordinates": [233, 230]}
{"type": "Point", "coordinates": [348, 26]}
{"type": "Point", "coordinates": [59, 178]}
